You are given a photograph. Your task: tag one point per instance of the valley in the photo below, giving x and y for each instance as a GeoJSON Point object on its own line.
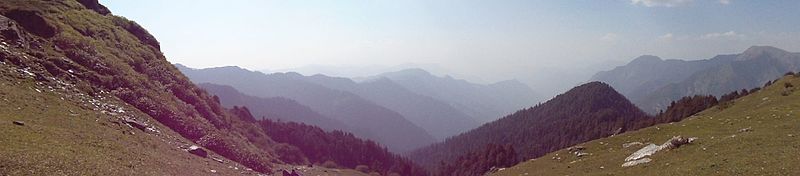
{"type": "Point", "coordinates": [86, 91]}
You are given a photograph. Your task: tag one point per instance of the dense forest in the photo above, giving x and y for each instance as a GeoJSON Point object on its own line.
{"type": "Point", "coordinates": [309, 144]}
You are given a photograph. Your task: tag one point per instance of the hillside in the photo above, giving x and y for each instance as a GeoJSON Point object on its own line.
{"type": "Point", "coordinates": [70, 133]}
{"type": "Point", "coordinates": [91, 52]}
{"type": "Point", "coordinates": [753, 135]}
{"type": "Point", "coordinates": [484, 103]}
{"type": "Point", "coordinates": [275, 108]}
{"type": "Point", "coordinates": [586, 112]}
{"type": "Point", "coordinates": [367, 119]}
{"type": "Point", "coordinates": [651, 83]}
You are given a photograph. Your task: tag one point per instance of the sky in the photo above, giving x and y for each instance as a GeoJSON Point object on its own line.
{"type": "Point", "coordinates": [550, 45]}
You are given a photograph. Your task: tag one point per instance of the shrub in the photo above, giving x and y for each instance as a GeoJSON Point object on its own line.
{"type": "Point", "coordinates": [362, 168]}
{"type": "Point", "coordinates": [725, 105]}
{"type": "Point", "coordinates": [330, 164]}
{"type": "Point", "coordinates": [788, 85]}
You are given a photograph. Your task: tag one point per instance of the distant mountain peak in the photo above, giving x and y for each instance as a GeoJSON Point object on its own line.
{"type": "Point", "coordinates": [755, 52]}
{"type": "Point", "coordinates": [646, 59]}
{"type": "Point", "coordinates": [593, 87]}
{"type": "Point", "coordinates": [415, 71]}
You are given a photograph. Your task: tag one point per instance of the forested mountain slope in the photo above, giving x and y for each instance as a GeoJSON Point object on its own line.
{"type": "Point", "coordinates": [584, 113]}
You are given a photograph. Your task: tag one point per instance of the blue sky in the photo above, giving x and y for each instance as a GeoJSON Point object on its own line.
{"type": "Point", "coordinates": [501, 39]}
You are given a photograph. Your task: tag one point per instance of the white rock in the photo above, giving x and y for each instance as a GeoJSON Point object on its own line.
{"type": "Point", "coordinates": [636, 162]}
{"type": "Point", "coordinates": [644, 152]}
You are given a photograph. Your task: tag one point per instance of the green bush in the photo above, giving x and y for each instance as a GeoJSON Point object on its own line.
{"type": "Point", "coordinates": [362, 168]}
{"type": "Point", "coordinates": [330, 164]}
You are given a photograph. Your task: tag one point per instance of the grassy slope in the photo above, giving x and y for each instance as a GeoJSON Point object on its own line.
{"type": "Point", "coordinates": [771, 148]}
{"type": "Point", "coordinates": [63, 135]}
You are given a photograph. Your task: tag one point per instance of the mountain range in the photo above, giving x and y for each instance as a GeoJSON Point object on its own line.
{"type": "Point", "coordinates": [652, 83]}
{"type": "Point", "coordinates": [366, 119]}
{"type": "Point", "coordinates": [275, 108]}
{"type": "Point", "coordinates": [484, 103]}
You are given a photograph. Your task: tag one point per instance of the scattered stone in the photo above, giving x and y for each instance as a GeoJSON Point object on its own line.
{"type": "Point", "coordinates": [748, 129]}
{"type": "Point", "coordinates": [218, 160]}
{"type": "Point", "coordinates": [197, 150]}
{"type": "Point", "coordinates": [636, 162]}
{"type": "Point", "coordinates": [135, 124]}
{"type": "Point", "coordinates": [495, 169]}
{"type": "Point", "coordinates": [576, 148]}
{"type": "Point", "coordinates": [578, 151]}
{"type": "Point", "coordinates": [213, 171]}
{"type": "Point", "coordinates": [20, 123]}
{"type": "Point", "coordinates": [626, 145]}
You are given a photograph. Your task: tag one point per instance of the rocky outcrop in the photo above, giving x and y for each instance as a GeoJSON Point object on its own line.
{"type": "Point", "coordinates": [9, 31]}
{"type": "Point", "coordinates": [138, 31]}
{"type": "Point", "coordinates": [32, 22]}
{"type": "Point", "coordinates": [95, 6]}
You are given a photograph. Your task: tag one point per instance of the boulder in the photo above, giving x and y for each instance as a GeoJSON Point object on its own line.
{"type": "Point", "coordinates": [677, 141]}
{"type": "Point", "coordinates": [640, 156]}
{"type": "Point", "coordinates": [197, 150]}
{"type": "Point", "coordinates": [20, 123]}
{"type": "Point", "coordinates": [644, 152]}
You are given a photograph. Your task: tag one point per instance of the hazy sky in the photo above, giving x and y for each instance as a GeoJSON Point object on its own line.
{"type": "Point", "coordinates": [495, 39]}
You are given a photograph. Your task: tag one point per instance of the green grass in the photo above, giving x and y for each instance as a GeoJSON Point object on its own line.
{"type": "Point", "coordinates": [62, 137]}
{"type": "Point", "coordinates": [771, 148]}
